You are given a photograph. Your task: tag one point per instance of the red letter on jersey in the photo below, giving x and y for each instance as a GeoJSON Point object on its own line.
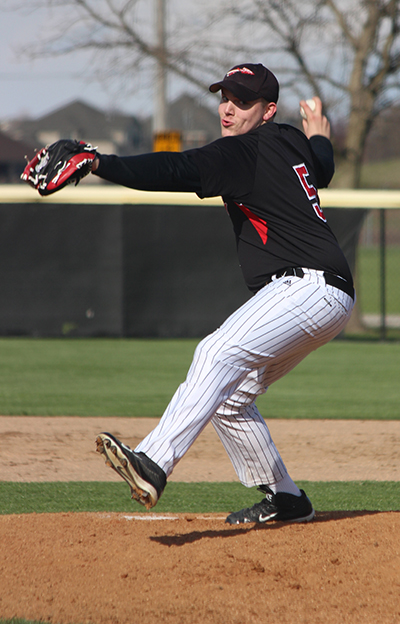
{"type": "Point", "coordinates": [309, 189]}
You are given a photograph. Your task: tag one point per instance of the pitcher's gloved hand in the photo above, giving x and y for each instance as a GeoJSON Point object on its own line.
{"type": "Point", "coordinates": [61, 163]}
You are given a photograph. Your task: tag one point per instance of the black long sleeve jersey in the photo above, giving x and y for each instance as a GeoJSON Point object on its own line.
{"type": "Point", "coordinates": [268, 180]}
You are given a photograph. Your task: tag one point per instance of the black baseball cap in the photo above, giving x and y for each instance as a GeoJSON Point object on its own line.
{"type": "Point", "coordinates": [249, 82]}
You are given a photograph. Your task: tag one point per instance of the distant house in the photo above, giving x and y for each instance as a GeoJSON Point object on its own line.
{"type": "Point", "coordinates": [12, 158]}
{"type": "Point", "coordinates": [112, 133]}
{"type": "Point", "coordinates": [116, 133]}
{"type": "Point", "coordinates": [198, 124]}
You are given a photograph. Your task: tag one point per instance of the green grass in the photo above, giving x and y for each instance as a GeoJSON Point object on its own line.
{"type": "Point", "coordinates": [101, 377]}
{"type": "Point", "coordinates": [381, 175]}
{"type": "Point", "coordinates": [21, 498]}
{"type": "Point", "coordinates": [368, 288]}
{"type": "Point", "coordinates": [350, 380]}
{"type": "Point", "coordinates": [106, 377]}
{"type": "Point", "coordinates": [19, 621]}
{"type": "Point", "coordinates": [374, 175]}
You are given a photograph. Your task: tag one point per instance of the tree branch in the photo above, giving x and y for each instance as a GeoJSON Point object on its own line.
{"type": "Point", "coordinates": [341, 20]}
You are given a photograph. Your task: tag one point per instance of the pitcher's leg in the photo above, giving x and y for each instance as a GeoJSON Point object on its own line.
{"type": "Point", "coordinates": [272, 332]}
{"type": "Point", "coordinates": [221, 362]}
{"type": "Point", "coordinates": [211, 379]}
{"type": "Point", "coordinates": [248, 443]}
{"type": "Point", "coordinates": [247, 439]}
{"type": "Point", "coordinates": [242, 430]}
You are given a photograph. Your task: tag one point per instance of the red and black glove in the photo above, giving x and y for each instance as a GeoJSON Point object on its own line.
{"type": "Point", "coordinates": [61, 163]}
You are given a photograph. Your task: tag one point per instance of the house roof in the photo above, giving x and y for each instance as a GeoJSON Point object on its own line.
{"type": "Point", "coordinates": [186, 113]}
{"type": "Point", "coordinates": [77, 119]}
{"type": "Point", "coordinates": [12, 151]}
{"type": "Point", "coordinates": [121, 133]}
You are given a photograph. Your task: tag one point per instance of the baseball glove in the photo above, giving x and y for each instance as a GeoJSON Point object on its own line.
{"type": "Point", "coordinates": [56, 165]}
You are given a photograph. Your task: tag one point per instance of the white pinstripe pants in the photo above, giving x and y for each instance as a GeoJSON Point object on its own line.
{"type": "Point", "coordinates": [257, 345]}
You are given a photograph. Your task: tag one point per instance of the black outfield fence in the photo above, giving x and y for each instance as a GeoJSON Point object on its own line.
{"type": "Point", "coordinates": [116, 270]}
{"type": "Point", "coordinates": [106, 261]}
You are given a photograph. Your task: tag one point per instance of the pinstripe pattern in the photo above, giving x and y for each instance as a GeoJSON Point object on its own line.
{"type": "Point", "coordinates": [257, 345]}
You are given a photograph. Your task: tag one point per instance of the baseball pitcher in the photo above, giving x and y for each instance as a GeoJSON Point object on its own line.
{"type": "Point", "coordinates": [268, 175]}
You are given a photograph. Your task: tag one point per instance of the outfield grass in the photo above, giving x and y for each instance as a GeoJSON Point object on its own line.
{"type": "Point", "coordinates": [381, 175]}
{"type": "Point", "coordinates": [93, 377]}
{"type": "Point", "coordinates": [111, 377]}
{"type": "Point", "coordinates": [374, 175]}
{"type": "Point", "coordinates": [21, 498]}
{"type": "Point", "coordinates": [369, 288]}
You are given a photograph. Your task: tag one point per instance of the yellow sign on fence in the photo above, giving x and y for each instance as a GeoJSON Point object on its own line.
{"type": "Point", "coordinates": [169, 141]}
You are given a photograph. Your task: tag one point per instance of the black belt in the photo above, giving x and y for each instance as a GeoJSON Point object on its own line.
{"type": "Point", "coordinates": [332, 280]}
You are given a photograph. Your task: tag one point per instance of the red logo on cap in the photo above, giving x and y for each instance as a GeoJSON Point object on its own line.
{"type": "Point", "coordinates": [241, 70]}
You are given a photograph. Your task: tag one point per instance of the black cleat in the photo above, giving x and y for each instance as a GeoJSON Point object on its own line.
{"type": "Point", "coordinates": [145, 478]}
{"type": "Point", "coordinates": [279, 507]}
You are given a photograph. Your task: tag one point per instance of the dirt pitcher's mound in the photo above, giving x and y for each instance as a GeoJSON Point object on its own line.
{"type": "Point", "coordinates": [187, 569]}
{"type": "Point", "coordinates": [118, 569]}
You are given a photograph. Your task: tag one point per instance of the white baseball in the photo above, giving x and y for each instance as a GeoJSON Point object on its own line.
{"type": "Point", "coordinates": [311, 104]}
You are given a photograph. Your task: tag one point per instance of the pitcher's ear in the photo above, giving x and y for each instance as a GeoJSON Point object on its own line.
{"type": "Point", "coordinates": [269, 111]}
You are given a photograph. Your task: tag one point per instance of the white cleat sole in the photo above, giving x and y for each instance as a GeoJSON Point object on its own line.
{"type": "Point", "coordinates": [141, 491]}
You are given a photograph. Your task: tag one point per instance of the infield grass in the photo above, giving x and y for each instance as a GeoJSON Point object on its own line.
{"type": "Point", "coordinates": [129, 377]}
{"type": "Point", "coordinates": [19, 621]}
{"type": "Point", "coordinates": [21, 498]}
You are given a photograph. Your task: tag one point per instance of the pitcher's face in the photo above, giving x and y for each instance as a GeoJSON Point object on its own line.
{"type": "Point", "coordinates": [239, 117]}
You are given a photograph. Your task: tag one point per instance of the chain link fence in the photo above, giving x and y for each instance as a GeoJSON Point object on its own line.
{"type": "Point", "coordinates": [378, 275]}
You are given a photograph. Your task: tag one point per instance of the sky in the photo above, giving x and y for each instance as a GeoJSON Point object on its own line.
{"type": "Point", "coordinates": [34, 88]}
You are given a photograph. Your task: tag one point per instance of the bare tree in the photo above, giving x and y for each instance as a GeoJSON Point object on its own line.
{"type": "Point", "coordinates": [121, 35]}
{"type": "Point", "coordinates": [345, 51]}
